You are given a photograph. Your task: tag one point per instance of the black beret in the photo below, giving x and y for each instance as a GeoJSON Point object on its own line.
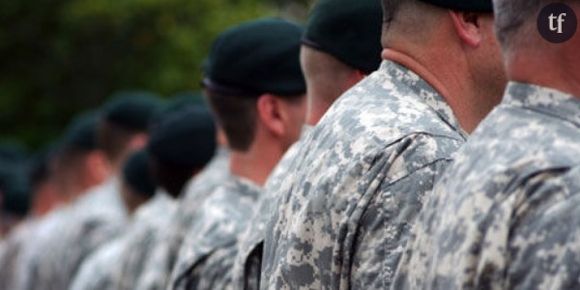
{"type": "Point", "coordinates": [131, 110]}
{"type": "Point", "coordinates": [464, 5]}
{"type": "Point", "coordinates": [348, 30]}
{"type": "Point", "coordinates": [14, 188]}
{"type": "Point", "coordinates": [137, 175]}
{"type": "Point", "coordinates": [257, 57]}
{"type": "Point", "coordinates": [178, 103]}
{"type": "Point", "coordinates": [82, 132]}
{"type": "Point", "coordinates": [186, 139]}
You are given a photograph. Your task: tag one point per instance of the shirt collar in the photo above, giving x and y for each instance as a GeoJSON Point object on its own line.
{"type": "Point", "coordinates": [543, 100]}
{"type": "Point", "coordinates": [402, 75]}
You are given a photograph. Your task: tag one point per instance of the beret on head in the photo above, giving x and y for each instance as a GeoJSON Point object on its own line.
{"type": "Point", "coordinates": [137, 175]}
{"type": "Point", "coordinates": [348, 30]}
{"type": "Point", "coordinates": [82, 132]}
{"type": "Point", "coordinates": [186, 139]}
{"type": "Point", "coordinates": [14, 189]}
{"type": "Point", "coordinates": [256, 57]}
{"type": "Point", "coordinates": [132, 110]}
{"type": "Point", "coordinates": [464, 5]}
{"type": "Point", "coordinates": [177, 103]}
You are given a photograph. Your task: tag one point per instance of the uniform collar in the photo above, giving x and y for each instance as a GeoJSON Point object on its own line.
{"type": "Point", "coordinates": [402, 75]}
{"type": "Point", "coordinates": [543, 100]}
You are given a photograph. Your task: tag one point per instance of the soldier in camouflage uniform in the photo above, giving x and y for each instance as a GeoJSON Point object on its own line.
{"type": "Point", "coordinates": [99, 215]}
{"type": "Point", "coordinates": [361, 174]}
{"type": "Point", "coordinates": [261, 111]}
{"type": "Point", "coordinates": [505, 214]}
{"type": "Point", "coordinates": [99, 270]}
{"type": "Point", "coordinates": [332, 63]}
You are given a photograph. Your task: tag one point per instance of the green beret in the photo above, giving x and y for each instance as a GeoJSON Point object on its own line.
{"type": "Point", "coordinates": [464, 5]}
{"type": "Point", "coordinates": [257, 57]}
{"type": "Point", "coordinates": [348, 30]}
{"type": "Point", "coordinates": [137, 175]}
{"type": "Point", "coordinates": [82, 132]}
{"type": "Point", "coordinates": [186, 139]}
{"type": "Point", "coordinates": [177, 103]}
{"type": "Point", "coordinates": [132, 110]}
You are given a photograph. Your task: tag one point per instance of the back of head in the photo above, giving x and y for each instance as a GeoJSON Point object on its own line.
{"type": "Point", "coordinates": [138, 183]}
{"type": "Point", "coordinates": [341, 44]}
{"type": "Point", "coordinates": [181, 144]}
{"type": "Point", "coordinates": [124, 124]}
{"type": "Point", "coordinates": [249, 61]}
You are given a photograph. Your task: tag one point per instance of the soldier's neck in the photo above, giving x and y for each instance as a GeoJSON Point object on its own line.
{"type": "Point", "coordinates": [256, 163]}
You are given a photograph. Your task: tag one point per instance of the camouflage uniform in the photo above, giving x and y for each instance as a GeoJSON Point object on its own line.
{"type": "Point", "coordinates": [206, 255]}
{"type": "Point", "coordinates": [505, 214]}
{"type": "Point", "coordinates": [359, 181]}
{"type": "Point", "coordinates": [115, 265]}
{"type": "Point", "coordinates": [10, 251]}
{"type": "Point", "coordinates": [88, 223]}
{"type": "Point", "coordinates": [247, 265]}
{"type": "Point", "coordinates": [157, 268]}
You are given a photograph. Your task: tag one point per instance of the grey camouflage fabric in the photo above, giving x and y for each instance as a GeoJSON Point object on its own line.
{"type": "Point", "coordinates": [207, 254]}
{"type": "Point", "coordinates": [358, 183]}
{"type": "Point", "coordinates": [505, 215]}
{"type": "Point", "coordinates": [71, 235]}
{"type": "Point", "coordinates": [247, 265]}
{"type": "Point", "coordinates": [159, 264]}
{"type": "Point", "coordinates": [11, 249]}
{"type": "Point", "coordinates": [116, 264]}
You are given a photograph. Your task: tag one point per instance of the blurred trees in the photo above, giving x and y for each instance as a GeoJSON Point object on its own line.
{"type": "Point", "coordinates": [58, 57]}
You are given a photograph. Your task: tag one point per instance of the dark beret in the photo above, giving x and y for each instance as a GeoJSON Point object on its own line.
{"type": "Point", "coordinates": [137, 175]}
{"type": "Point", "coordinates": [14, 189]}
{"type": "Point", "coordinates": [186, 139]}
{"type": "Point", "coordinates": [348, 30]}
{"type": "Point", "coordinates": [257, 57]}
{"type": "Point", "coordinates": [464, 5]}
{"type": "Point", "coordinates": [82, 132]}
{"type": "Point", "coordinates": [177, 103]}
{"type": "Point", "coordinates": [132, 110]}
{"type": "Point", "coordinates": [12, 151]}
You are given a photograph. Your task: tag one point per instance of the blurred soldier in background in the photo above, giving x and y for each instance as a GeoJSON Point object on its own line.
{"type": "Point", "coordinates": [137, 187]}
{"type": "Point", "coordinates": [14, 187]}
{"type": "Point", "coordinates": [256, 89]}
{"type": "Point", "coordinates": [353, 194]}
{"type": "Point", "coordinates": [505, 214]}
{"type": "Point", "coordinates": [99, 214]}
{"type": "Point", "coordinates": [341, 44]}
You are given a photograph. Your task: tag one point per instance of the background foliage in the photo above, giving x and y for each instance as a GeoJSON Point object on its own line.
{"type": "Point", "coordinates": [59, 57]}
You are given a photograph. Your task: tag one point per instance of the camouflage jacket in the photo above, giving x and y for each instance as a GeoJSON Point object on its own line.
{"type": "Point", "coordinates": [359, 181]}
{"type": "Point", "coordinates": [206, 255]}
{"type": "Point", "coordinates": [247, 265]}
{"type": "Point", "coordinates": [159, 263]}
{"type": "Point", "coordinates": [11, 249]}
{"type": "Point", "coordinates": [116, 264]}
{"type": "Point", "coordinates": [80, 228]}
{"type": "Point", "coordinates": [505, 214]}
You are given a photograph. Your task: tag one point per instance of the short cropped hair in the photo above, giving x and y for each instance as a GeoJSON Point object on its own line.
{"type": "Point", "coordinates": [510, 17]}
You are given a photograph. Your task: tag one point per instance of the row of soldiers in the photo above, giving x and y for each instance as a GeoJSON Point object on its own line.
{"type": "Point", "coordinates": [430, 144]}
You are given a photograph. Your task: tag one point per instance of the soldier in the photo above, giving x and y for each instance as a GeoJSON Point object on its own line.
{"type": "Point", "coordinates": [340, 46]}
{"type": "Point", "coordinates": [505, 214]}
{"type": "Point", "coordinates": [137, 187]}
{"type": "Point", "coordinates": [256, 89]}
{"type": "Point", "coordinates": [99, 215]}
{"type": "Point", "coordinates": [166, 242]}
{"type": "Point", "coordinates": [361, 174]}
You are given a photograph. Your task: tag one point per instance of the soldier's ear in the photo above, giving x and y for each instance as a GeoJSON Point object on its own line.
{"type": "Point", "coordinates": [270, 114]}
{"type": "Point", "coordinates": [468, 27]}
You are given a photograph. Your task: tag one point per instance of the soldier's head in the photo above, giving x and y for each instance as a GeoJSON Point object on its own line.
{"type": "Point", "coordinates": [530, 57]}
{"type": "Point", "coordinates": [79, 164]}
{"type": "Point", "coordinates": [137, 183]}
{"type": "Point", "coordinates": [255, 86]}
{"type": "Point", "coordinates": [180, 146]}
{"type": "Point", "coordinates": [124, 124]}
{"type": "Point", "coordinates": [341, 44]}
{"type": "Point", "coordinates": [451, 44]}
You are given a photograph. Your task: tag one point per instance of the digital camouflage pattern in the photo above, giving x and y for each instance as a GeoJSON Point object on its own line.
{"type": "Point", "coordinates": [358, 183]}
{"type": "Point", "coordinates": [116, 264]}
{"type": "Point", "coordinates": [247, 265]}
{"type": "Point", "coordinates": [71, 235]}
{"type": "Point", "coordinates": [505, 215]}
{"type": "Point", "coordinates": [150, 219]}
{"type": "Point", "coordinates": [160, 261]}
{"type": "Point", "coordinates": [207, 254]}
